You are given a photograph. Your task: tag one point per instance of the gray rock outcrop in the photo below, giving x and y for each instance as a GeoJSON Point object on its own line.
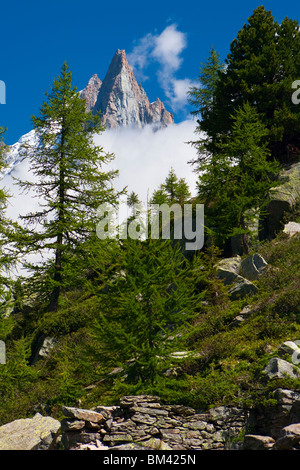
{"type": "Point", "coordinates": [253, 266]}
{"type": "Point", "coordinates": [282, 199]}
{"type": "Point", "coordinates": [90, 92]}
{"type": "Point", "coordinates": [230, 271]}
{"type": "Point", "coordinates": [279, 369]}
{"type": "Point", "coordinates": [37, 433]}
{"type": "Point", "coordinates": [291, 228]}
{"type": "Point", "coordinates": [289, 438]}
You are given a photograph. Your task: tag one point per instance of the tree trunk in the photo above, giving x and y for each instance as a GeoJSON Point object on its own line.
{"type": "Point", "coordinates": [57, 277]}
{"type": "Point", "coordinates": [53, 304]}
{"type": "Point", "coordinates": [245, 238]}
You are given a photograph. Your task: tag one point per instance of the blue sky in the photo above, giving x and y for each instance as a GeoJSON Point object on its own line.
{"type": "Point", "coordinates": [37, 37]}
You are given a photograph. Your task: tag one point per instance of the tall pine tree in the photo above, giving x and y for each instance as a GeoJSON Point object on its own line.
{"type": "Point", "coordinates": [234, 188]}
{"type": "Point", "coordinates": [203, 98]}
{"type": "Point", "coordinates": [8, 229]}
{"type": "Point", "coordinates": [70, 179]}
{"type": "Point", "coordinates": [263, 62]}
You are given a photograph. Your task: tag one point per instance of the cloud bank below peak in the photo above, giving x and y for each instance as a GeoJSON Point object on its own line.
{"type": "Point", "coordinates": [144, 156]}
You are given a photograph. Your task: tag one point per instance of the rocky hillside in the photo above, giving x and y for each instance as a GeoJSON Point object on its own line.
{"type": "Point", "coordinates": [142, 422]}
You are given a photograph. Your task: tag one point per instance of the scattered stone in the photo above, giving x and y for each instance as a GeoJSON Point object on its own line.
{"type": "Point", "coordinates": [253, 266]}
{"type": "Point", "coordinates": [117, 438]}
{"type": "Point", "coordinates": [196, 425]}
{"type": "Point", "coordinates": [129, 401]}
{"type": "Point", "coordinates": [289, 439]}
{"type": "Point", "coordinates": [256, 442]}
{"type": "Point", "coordinates": [81, 414]}
{"type": "Point", "coordinates": [143, 419]}
{"type": "Point", "coordinates": [279, 368]}
{"type": "Point", "coordinates": [156, 444]}
{"type": "Point", "coordinates": [150, 411]}
{"type": "Point", "coordinates": [242, 288]}
{"type": "Point", "coordinates": [243, 316]}
{"type": "Point", "coordinates": [72, 424]}
{"type": "Point", "coordinates": [129, 446]}
{"type": "Point", "coordinates": [228, 269]}
{"type": "Point", "coordinates": [289, 347]}
{"type": "Point", "coordinates": [292, 228]}
{"type": "Point", "coordinates": [286, 397]}
{"type": "Point", "coordinates": [72, 439]}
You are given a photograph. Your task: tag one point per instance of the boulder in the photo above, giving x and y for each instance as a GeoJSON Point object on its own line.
{"type": "Point", "coordinates": [278, 368]}
{"type": "Point", "coordinates": [289, 438]}
{"type": "Point", "coordinates": [256, 442]}
{"type": "Point", "coordinates": [253, 266]}
{"type": "Point", "coordinates": [44, 346]}
{"type": "Point", "coordinates": [82, 414]}
{"type": "Point", "coordinates": [292, 228]}
{"type": "Point", "coordinates": [282, 199]}
{"type": "Point", "coordinates": [290, 347]}
{"type": "Point", "coordinates": [228, 269]}
{"type": "Point", "coordinates": [242, 288]}
{"type": "Point", "coordinates": [37, 433]}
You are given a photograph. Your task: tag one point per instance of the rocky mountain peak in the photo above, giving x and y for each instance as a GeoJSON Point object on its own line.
{"type": "Point", "coordinates": [90, 92]}
{"type": "Point", "coordinates": [121, 101]}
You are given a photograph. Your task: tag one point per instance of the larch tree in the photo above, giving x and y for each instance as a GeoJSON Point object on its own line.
{"type": "Point", "coordinates": [234, 188]}
{"type": "Point", "coordinates": [143, 307]}
{"type": "Point", "coordinates": [9, 229]}
{"type": "Point", "coordinates": [70, 179]}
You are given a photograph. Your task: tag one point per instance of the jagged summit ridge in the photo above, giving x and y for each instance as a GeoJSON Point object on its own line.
{"type": "Point", "coordinates": [90, 93]}
{"type": "Point", "coordinates": [121, 101]}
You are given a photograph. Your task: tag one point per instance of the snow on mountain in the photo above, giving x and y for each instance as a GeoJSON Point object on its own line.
{"type": "Point", "coordinates": [13, 152]}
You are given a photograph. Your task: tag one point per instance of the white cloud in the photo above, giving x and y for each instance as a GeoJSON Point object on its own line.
{"type": "Point", "coordinates": [138, 58]}
{"type": "Point", "coordinates": [168, 47]}
{"type": "Point", "coordinates": [143, 157]}
{"type": "Point", "coordinates": [165, 50]}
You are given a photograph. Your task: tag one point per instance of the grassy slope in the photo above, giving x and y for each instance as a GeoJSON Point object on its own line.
{"type": "Point", "coordinates": [227, 369]}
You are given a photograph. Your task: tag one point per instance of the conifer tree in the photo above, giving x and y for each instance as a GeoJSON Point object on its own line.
{"type": "Point", "coordinates": [8, 228]}
{"type": "Point", "coordinates": [70, 179]}
{"type": "Point", "coordinates": [203, 97]}
{"type": "Point", "coordinates": [172, 193]}
{"type": "Point", "coordinates": [234, 188]}
{"type": "Point", "coordinates": [172, 190]}
{"type": "Point", "coordinates": [143, 308]}
{"type": "Point", "coordinates": [263, 62]}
